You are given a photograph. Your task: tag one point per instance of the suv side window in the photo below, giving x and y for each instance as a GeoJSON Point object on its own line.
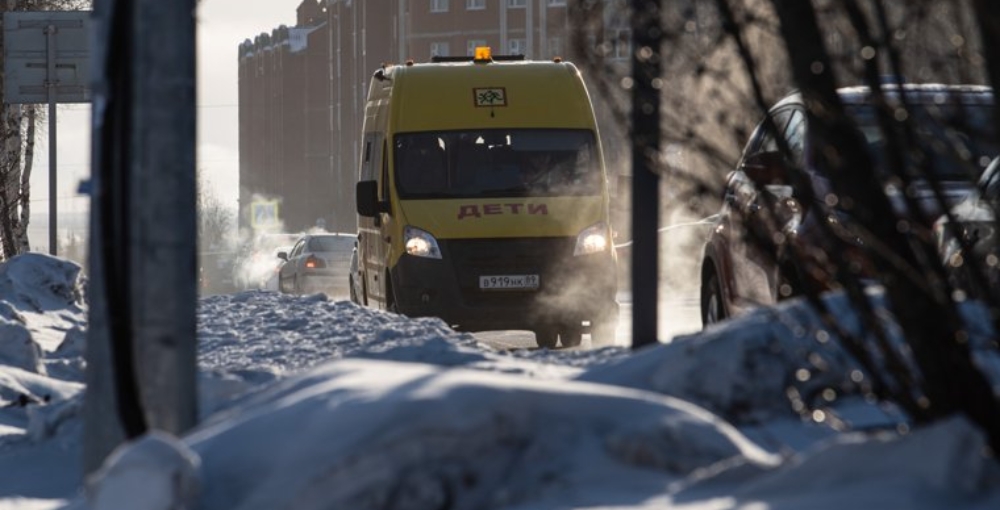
{"type": "Point", "coordinates": [991, 180]}
{"type": "Point", "coordinates": [763, 139]}
{"type": "Point", "coordinates": [795, 134]}
{"type": "Point", "coordinates": [298, 248]}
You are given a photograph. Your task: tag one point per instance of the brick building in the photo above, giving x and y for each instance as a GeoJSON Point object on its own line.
{"type": "Point", "coordinates": [302, 89]}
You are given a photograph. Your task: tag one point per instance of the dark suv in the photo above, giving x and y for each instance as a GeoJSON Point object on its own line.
{"type": "Point", "coordinates": [747, 260]}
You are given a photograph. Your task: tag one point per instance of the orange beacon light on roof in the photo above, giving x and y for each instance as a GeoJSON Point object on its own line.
{"type": "Point", "coordinates": [483, 53]}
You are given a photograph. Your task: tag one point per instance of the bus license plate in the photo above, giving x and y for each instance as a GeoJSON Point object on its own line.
{"type": "Point", "coordinates": [509, 282]}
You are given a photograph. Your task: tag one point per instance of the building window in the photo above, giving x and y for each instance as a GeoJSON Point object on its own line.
{"type": "Point", "coordinates": [517, 47]}
{"type": "Point", "coordinates": [475, 5]}
{"type": "Point", "coordinates": [439, 5]}
{"type": "Point", "coordinates": [555, 47]}
{"type": "Point", "coordinates": [622, 44]}
{"type": "Point", "coordinates": [556, 3]}
{"type": "Point", "coordinates": [516, 3]}
{"type": "Point", "coordinates": [440, 49]}
{"type": "Point", "coordinates": [470, 47]}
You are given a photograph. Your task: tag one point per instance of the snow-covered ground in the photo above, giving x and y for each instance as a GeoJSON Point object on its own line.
{"type": "Point", "coordinates": [308, 404]}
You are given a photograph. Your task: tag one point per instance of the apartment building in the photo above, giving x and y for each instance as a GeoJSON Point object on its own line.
{"type": "Point", "coordinates": [534, 28]}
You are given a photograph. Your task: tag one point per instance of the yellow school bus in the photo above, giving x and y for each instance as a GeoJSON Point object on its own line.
{"type": "Point", "coordinates": [482, 199]}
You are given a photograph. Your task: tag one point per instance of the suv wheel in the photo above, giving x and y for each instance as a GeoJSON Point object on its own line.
{"type": "Point", "coordinates": [712, 308]}
{"type": "Point", "coordinates": [789, 283]}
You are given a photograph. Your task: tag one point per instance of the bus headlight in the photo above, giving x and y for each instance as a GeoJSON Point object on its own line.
{"type": "Point", "coordinates": [593, 239]}
{"type": "Point", "coordinates": [419, 243]}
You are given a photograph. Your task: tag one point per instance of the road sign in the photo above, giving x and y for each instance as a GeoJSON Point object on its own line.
{"type": "Point", "coordinates": [27, 50]}
{"type": "Point", "coordinates": [264, 214]}
{"type": "Point", "coordinates": [46, 60]}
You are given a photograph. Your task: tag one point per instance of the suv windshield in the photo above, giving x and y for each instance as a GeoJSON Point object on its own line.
{"type": "Point", "coordinates": [496, 162]}
{"type": "Point", "coordinates": [957, 140]}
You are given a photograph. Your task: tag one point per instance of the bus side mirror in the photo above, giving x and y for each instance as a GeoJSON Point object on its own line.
{"type": "Point", "coordinates": [366, 196]}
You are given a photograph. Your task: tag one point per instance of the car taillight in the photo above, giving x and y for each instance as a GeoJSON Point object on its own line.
{"type": "Point", "coordinates": [314, 262]}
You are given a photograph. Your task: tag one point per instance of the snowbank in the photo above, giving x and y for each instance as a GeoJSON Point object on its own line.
{"type": "Point", "coordinates": [372, 434]}
{"type": "Point", "coordinates": [312, 403]}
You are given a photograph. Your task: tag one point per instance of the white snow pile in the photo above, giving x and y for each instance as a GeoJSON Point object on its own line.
{"type": "Point", "coordinates": [42, 300]}
{"type": "Point", "coordinates": [252, 338]}
{"type": "Point", "coordinates": [781, 362]}
{"type": "Point", "coordinates": [42, 316]}
{"type": "Point", "coordinates": [419, 436]}
{"type": "Point", "coordinates": [309, 403]}
{"type": "Point", "coordinates": [155, 469]}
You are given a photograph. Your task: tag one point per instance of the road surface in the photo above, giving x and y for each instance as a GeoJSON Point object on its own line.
{"type": "Point", "coordinates": [678, 315]}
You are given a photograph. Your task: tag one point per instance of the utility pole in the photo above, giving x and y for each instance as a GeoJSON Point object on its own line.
{"type": "Point", "coordinates": [647, 39]}
{"type": "Point", "coordinates": [142, 343]}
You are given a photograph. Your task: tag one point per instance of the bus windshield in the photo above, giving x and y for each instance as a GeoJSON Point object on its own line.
{"type": "Point", "coordinates": [497, 162]}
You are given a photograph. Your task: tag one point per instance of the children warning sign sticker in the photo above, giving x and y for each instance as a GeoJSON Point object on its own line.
{"type": "Point", "coordinates": [490, 97]}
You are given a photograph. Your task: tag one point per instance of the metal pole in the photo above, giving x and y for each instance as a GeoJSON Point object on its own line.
{"type": "Point", "coordinates": [112, 410]}
{"type": "Point", "coordinates": [163, 233]}
{"type": "Point", "coordinates": [529, 29]}
{"type": "Point", "coordinates": [647, 37]}
{"type": "Point", "coordinates": [143, 226]}
{"type": "Point", "coordinates": [51, 81]}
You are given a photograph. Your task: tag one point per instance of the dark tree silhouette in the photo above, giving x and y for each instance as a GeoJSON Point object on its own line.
{"type": "Point", "coordinates": [726, 61]}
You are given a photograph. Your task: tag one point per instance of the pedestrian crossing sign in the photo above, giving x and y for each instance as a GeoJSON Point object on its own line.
{"type": "Point", "coordinates": [264, 214]}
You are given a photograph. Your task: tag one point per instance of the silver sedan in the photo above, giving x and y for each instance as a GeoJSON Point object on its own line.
{"type": "Point", "coordinates": [318, 263]}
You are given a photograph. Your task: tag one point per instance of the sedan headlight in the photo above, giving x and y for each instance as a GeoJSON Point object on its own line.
{"type": "Point", "coordinates": [419, 243]}
{"type": "Point", "coordinates": [593, 239]}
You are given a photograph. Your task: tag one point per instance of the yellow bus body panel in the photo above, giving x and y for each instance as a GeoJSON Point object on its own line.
{"type": "Point", "coordinates": [499, 217]}
{"type": "Point", "coordinates": [436, 97]}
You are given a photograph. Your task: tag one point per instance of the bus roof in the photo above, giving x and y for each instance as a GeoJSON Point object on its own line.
{"type": "Point", "coordinates": [445, 96]}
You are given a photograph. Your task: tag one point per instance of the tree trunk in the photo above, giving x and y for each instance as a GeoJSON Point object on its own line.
{"type": "Point", "coordinates": [21, 242]}
{"type": "Point", "coordinates": [10, 176]}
